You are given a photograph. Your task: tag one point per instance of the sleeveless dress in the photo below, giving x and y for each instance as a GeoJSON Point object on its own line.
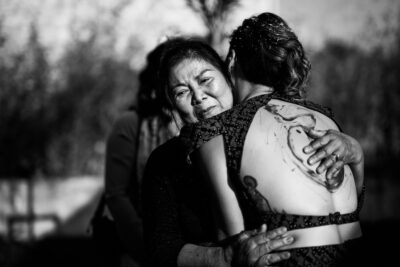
{"type": "Point", "coordinates": [233, 125]}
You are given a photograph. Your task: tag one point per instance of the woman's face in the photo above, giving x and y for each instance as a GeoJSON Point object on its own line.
{"type": "Point", "coordinates": [198, 90]}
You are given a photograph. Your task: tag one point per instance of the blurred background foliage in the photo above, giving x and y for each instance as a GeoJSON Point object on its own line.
{"type": "Point", "coordinates": [363, 90]}
{"type": "Point", "coordinates": [54, 120]}
{"type": "Point", "coordinates": [56, 126]}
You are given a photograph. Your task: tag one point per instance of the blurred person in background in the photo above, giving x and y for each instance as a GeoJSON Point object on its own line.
{"type": "Point", "coordinates": [117, 224]}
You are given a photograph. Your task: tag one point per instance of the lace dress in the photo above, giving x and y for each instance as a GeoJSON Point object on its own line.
{"type": "Point", "coordinates": [233, 125]}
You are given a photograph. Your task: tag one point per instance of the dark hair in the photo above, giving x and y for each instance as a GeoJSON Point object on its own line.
{"type": "Point", "coordinates": [269, 53]}
{"type": "Point", "coordinates": [149, 100]}
{"type": "Point", "coordinates": [179, 49]}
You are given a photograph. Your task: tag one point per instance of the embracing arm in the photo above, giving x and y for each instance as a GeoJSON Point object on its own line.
{"type": "Point", "coordinates": [347, 149]}
{"type": "Point", "coordinates": [163, 238]}
{"type": "Point", "coordinates": [192, 255]}
{"type": "Point", "coordinates": [167, 246]}
{"type": "Point", "coordinates": [253, 248]}
{"type": "Point", "coordinates": [211, 159]}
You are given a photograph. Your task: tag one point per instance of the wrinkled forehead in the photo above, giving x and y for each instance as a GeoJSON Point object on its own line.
{"type": "Point", "coordinates": [190, 68]}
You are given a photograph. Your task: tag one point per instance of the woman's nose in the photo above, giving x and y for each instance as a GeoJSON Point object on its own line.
{"type": "Point", "coordinates": [198, 97]}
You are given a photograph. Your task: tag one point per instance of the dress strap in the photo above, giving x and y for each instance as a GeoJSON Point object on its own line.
{"type": "Point", "coordinates": [237, 125]}
{"type": "Point", "coordinates": [292, 221]}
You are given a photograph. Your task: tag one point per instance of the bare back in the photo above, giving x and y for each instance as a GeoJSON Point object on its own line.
{"type": "Point", "coordinates": [273, 160]}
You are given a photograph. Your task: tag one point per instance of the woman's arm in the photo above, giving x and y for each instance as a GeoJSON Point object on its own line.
{"type": "Point", "coordinates": [210, 158]}
{"type": "Point", "coordinates": [163, 237]}
{"type": "Point", "coordinates": [166, 244]}
{"type": "Point", "coordinates": [347, 149]}
{"type": "Point", "coordinates": [253, 248]}
{"type": "Point", "coordinates": [120, 178]}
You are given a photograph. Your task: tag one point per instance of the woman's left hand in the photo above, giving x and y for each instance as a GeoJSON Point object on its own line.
{"type": "Point", "coordinates": [333, 149]}
{"type": "Point", "coordinates": [259, 247]}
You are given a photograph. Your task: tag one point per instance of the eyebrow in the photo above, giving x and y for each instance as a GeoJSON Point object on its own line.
{"type": "Point", "coordinates": [177, 85]}
{"type": "Point", "coordinates": [196, 77]}
{"type": "Point", "coordinates": [201, 73]}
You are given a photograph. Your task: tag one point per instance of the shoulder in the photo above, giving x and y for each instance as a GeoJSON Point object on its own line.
{"type": "Point", "coordinates": [126, 124]}
{"type": "Point", "coordinates": [167, 156]}
{"type": "Point", "coordinates": [165, 149]}
{"type": "Point", "coordinates": [302, 111]}
{"type": "Point", "coordinates": [308, 104]}
{"type": "Point", "coordinates": [192, 136]}
{"type": "Point", "coordinates": [127, 119]}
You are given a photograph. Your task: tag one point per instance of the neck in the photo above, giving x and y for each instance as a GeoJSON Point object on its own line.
{"type": "Point", "coordinates": [249, 90]}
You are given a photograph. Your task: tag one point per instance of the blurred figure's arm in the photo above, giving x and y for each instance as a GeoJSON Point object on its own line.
{"type": "Point", "coordinates": [121, 181]}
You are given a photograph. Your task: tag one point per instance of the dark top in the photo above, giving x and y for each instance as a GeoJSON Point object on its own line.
{"type": "Point", "coordinates": [121, 152]}
{"type": "Point", "coordinates": [233, 125]}
{"type": "Point", "coordinates": [175, 206]}
{"type": "Point", "coordinates": [122, 184]}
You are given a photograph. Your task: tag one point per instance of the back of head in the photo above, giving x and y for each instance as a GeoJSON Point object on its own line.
{"type": "Point", "coordinates": [269, 53]}
{"type": "Point", "coordinates": [149, 104]}
{"type": "Point", "coordinates": [180, 49]}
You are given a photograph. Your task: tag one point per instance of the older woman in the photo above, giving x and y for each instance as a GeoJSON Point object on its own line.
{"type": "Point", "coordinates": [178, 224]}
{"type": "Point", "coordinates": [254, 153]}
{"type": "Point", "coordinates": [178, 220]}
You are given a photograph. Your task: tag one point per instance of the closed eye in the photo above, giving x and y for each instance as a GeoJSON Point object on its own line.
{"type": "Point", "coordinates": [180, 92]}
{"type": "Point", "coordinates": [205, 80]}
{"type": "Point", "coordinates": [205, 76]}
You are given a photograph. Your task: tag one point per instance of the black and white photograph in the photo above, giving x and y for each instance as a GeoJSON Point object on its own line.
{"type": "Point", "coordinates": [199, 133]}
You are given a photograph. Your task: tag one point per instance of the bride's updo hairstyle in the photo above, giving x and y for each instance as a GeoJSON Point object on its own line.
{"type": "Point", "coordinates": [269, 53]}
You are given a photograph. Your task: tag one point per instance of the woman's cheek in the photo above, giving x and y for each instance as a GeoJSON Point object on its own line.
{"type": "Point", "coordinates": [185, 109]}
{"type": "Point", "coordinates": [179, 105]}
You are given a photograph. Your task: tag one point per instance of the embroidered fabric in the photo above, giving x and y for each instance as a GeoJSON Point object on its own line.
{"type": "Point", "coordinates": [233, 125]}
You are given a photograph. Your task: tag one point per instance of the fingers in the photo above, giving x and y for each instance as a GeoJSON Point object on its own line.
{"type": "Point", "coordinates": [334, 169]}
{"type": "Point", "coordinates": [313, 133]}
{"type": "Point", "coordinates": [326, 149]}
{"type": "Point", "coordinates": [326, 163]}
{"type": "Point", "coordinates": [272, 234]}
{"type": "Point", "coordinates": [272, 245]}
{"type": "Point", "coordinates": [320, 140]}
{"type": "Point", "coordinates": [317, 144]}
{"type": "Point", "coordinates": [263, 228]}
{"type": "Point", "coordinates": [268, 259]}
{"type": "Point", "coordinates": [243, 236]}
{"type": "Point", "coordinates": [322, 153]}
{"type": "Point", "coordinates": [250, 248]}
{"type": "Point", "coordinates": [264, 237]}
